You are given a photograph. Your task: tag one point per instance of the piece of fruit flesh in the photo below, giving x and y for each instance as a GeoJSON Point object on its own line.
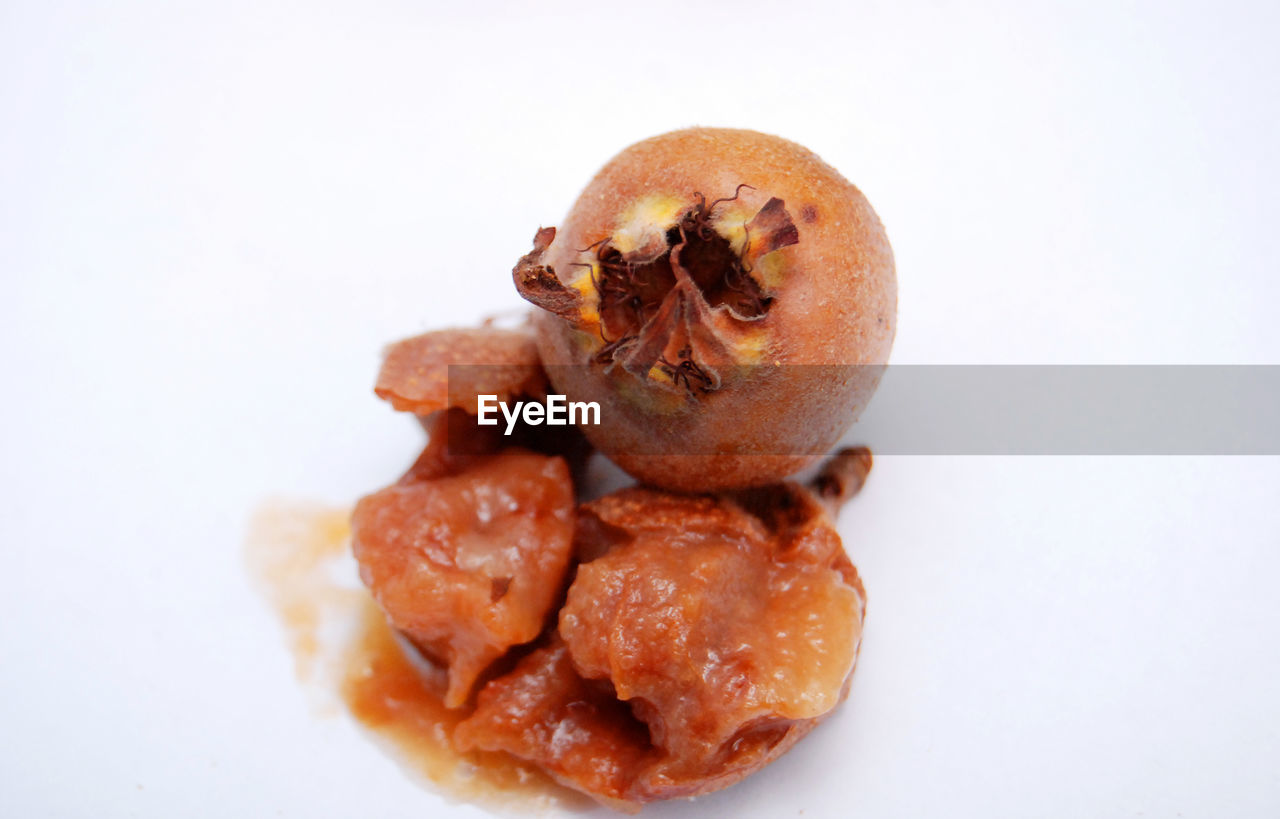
{"type": "Point", "coordinates": [468, 565]}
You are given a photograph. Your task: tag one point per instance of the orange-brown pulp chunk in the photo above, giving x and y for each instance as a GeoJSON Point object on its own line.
{"type": "Point", "coordinates": [468, 565]}
{"type": "Point", "coordinates": [728, 632]}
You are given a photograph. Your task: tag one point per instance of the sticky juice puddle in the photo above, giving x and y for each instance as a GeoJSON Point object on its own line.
{"type": "Point", "coordinates": [300, 557]}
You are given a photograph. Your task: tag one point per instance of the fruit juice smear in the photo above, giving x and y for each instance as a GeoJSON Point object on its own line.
{"type": "Point", "coordinates": [299, 555]}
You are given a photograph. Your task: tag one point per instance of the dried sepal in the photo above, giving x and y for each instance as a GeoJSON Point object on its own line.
{"type": "Point", "coordinates": [538, 283]}
{"type": "Point", "coordinates": [771, 229]}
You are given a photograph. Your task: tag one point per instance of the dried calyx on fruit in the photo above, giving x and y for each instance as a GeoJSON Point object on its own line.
{"type": "Point", "coordinates": [671, 293]}
{"type": "Point", "coordinates": [726, 297]}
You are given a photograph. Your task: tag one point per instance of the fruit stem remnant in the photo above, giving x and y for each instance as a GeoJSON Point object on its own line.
{"type": "Point", "coordinates": [842, 477]}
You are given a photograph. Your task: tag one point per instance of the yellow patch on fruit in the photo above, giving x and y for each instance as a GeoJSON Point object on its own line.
{"type": "Point", "coordinates": [581, 280]}
{"type": "Point", "coordinates": [769, 270]}
{"type": "Point", "coordinates": [731, 223]}
{"type": "Point", "coordinates": [749, 347]}
{"type": "Point", "coordinates": [643, 226]}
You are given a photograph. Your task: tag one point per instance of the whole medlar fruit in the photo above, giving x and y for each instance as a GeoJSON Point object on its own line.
{"type": "Point", "coordinates": [725, 296]}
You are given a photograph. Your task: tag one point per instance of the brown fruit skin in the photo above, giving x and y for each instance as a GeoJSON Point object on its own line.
{"type": "Point", "coordinates": [837, 305]}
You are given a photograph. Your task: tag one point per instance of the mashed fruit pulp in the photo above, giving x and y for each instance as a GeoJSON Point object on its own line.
{"type": "Point", "coordinates": [641, 646]}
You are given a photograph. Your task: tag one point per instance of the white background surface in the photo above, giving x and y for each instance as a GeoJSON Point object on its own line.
{"type": "Point", "coordinates": [211, 219]}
